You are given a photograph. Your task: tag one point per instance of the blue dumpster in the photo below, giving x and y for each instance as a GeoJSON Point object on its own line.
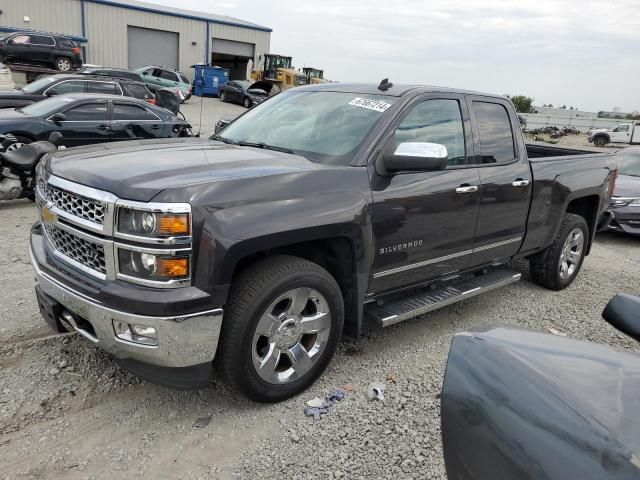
{"type": "Point", "coordinates": [209, 79]}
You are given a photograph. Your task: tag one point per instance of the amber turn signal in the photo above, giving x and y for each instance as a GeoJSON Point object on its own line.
{"type": "Point", "coordinates": [173, 267]}
{"type": "Point", "coordinates": [174, 224]}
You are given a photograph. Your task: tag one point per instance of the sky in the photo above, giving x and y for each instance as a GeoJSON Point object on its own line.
{"type": "Point", "coordinates": [580, 53]}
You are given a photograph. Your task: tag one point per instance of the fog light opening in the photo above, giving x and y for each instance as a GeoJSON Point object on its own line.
{"type": "Point", "coordinates": [140, 334]}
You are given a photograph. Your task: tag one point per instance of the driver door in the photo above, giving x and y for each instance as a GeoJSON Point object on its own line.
{"type": "Point", "coordinates": [424, 222]}
{"type": "Point", "coordinates": [84, 124]}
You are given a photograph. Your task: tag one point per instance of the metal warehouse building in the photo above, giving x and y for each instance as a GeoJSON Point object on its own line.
{"type": "Point", "coordinates": [130, 34]}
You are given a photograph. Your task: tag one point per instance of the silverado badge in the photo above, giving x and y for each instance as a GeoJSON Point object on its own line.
{"type": "Point", "coordinates": [47, 215]}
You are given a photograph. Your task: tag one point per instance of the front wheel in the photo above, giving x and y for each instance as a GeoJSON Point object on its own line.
{"type": "Point", "coordinates": [247, 102]}
{"type": "Point", "coordinates": [281, 328]}
{"type": "Point", "coordinates": [63, 64]}
{"type": "Point", "coordinates": [557, 266]}
{"type": "Point", "coordinates": [223, 97]}
{"type": "Point", "coordinates": [599, 141]}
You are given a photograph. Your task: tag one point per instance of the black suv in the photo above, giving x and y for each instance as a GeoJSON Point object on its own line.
{"type": "Point", "coordinates": [42, 49]}
{"type": "Point", "coordinates": [61, 84]}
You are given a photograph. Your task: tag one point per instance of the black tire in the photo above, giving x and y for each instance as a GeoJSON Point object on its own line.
{"type": "Point", "coordinates": [545, 267]}
{"type": "Point", "coordinates": [252, 294]}
{"type": "Point", "coordinates": [247, 102]}
{"type": "Point", "coordinates": [223, 97]}
{"type": "Point", "coordinates": [63, 64]}
{"type": "Point", "coordinates": [600, 141]}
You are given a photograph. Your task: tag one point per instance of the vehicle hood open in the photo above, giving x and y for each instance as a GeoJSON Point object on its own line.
{"type": "Point", "coordinates": [139, 170]}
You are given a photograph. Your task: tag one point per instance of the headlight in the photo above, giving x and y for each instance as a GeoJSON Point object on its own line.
{"type": "Point", "coordinates": [154, 222]}
{"type": "Point", "coordinates": [146, 265]}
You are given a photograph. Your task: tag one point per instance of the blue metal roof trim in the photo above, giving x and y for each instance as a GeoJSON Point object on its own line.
{"type": "Point", "coordinates": [151, 9]}
{"type": "Point", "coordinates": [75, 38]}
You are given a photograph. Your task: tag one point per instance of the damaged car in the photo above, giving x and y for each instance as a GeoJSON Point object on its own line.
{"type": "Point", "coordinates": [245, 93]}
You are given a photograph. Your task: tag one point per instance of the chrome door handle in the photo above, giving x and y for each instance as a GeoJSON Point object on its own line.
{"type": "Point", "coordinates": [467, 189]}
{"type": "Point", "coordinates": [520, 183]}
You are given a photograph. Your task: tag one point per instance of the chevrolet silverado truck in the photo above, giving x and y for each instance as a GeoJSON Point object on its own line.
{"type": "Point", "coordinates": [326, 210]}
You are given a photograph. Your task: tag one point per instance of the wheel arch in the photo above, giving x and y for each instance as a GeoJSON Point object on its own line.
{"type": "Point", "coordinates": [587, 207]}
{"type": "Point", "coordinates": [337, 254]}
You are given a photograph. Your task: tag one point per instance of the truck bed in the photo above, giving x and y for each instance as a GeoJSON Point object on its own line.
{"type": "Point", "coordinates": [544, 150]}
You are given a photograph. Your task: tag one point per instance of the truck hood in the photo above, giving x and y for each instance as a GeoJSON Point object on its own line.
{"type": "Point", "coordinates": [139, 170]}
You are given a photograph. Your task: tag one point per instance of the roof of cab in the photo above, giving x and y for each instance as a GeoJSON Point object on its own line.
{"type": "Point", "coordinates": [397, 90]}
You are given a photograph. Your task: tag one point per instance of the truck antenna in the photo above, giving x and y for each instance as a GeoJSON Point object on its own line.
{"type": "Point", "coordinates": [385, 85]}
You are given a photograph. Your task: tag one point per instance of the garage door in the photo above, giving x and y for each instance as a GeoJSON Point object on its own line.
{"type": "Point", "coordinates": [229, 47]}
{"type": "Point", "coordinates": [152, 47]}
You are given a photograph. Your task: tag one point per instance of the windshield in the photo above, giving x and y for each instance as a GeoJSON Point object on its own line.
{"type": "Point", "coordinates": [629, 163]}
{"type": "Point", "coordinates": [327, 127]}
{"type": "Point", "coordinates": [45, 107]}
{"type": "Point", "coordinates": [38, 84]}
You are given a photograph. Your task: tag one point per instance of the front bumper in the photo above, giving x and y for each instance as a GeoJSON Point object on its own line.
{"type": "Point", "coordinates": [183, 341]}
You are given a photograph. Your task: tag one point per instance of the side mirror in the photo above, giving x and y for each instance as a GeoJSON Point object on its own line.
{"type": "Point", "coordinates": [623, 313]}
{"type": "Point", "coordinates": [55, 137]}
{"type": "Point", "coordinates": [58, 117]}
{"type": "Point", "coordinates": [416, 156]}
{"type": "Point", "coordinates": [52, 93]}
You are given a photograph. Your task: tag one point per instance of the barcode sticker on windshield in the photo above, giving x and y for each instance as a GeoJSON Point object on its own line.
{"type": "Point", "coordinates": [377, 105]}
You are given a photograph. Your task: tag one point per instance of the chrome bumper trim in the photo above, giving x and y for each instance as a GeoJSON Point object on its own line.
{"type": "Point", "coordinates": [183, 341]}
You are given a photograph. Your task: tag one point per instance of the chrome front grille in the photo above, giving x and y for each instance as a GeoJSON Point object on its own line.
{"type": "Point", "coordinates": [77, 205]}
{"type": "Point", "coordinates": [84, 252]}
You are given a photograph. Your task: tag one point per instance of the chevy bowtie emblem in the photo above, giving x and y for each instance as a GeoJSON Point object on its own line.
{"type": "Point", "coordinates": [47, 215]}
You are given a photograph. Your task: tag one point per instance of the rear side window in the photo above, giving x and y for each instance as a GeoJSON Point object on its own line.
{"type": "Point", "coordinates": [127, 111]}
{"type": "Point", "coordinates": [65, 42]}
{"type": "Point", "coordinates": [139, 91]}
{"type": "Point", "coordinates": [104, 87]}
{"type": "Point", "coordinates": [87, 112]}
{"type": "Point", "coordinates": [496, 136]}
{"type": "Point", "coordinates": [184, 79]}
{"type": "Point", "coordinates": [166, 75]}
{"type": "Point", "coordinates": [435, 121]}
{"type": "Point", "coordinates": [42, 40]}
{"type": "Point", "coordinates": [70, 86]}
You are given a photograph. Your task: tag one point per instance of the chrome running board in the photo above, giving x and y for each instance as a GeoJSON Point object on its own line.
{"type": "Point", "coordinates": [429, 300]}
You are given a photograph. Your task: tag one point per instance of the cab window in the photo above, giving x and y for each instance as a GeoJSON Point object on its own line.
{"type": "Point", "coordinates": [496, 136]}
{"type": "Point", "coordinates": [621, 128]}
{"type": "Point", "coordinates": [435, 121]}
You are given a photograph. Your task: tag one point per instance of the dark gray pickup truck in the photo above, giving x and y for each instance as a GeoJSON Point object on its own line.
{"type": "Point", "coordinates": [325, 210]}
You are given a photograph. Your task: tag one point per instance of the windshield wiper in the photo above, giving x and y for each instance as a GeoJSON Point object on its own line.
{"type": "Point", "coordinates": [265, 146]}
{"type": "Point", "coordinates": [262, 145]}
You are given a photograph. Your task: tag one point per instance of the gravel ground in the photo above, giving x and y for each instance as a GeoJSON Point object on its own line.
{"type": "Point", "coordinates": [67, 410]}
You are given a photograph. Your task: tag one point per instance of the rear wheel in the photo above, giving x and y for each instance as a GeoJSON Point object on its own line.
{"type": "Point", "coordinates": [223, 97]}
{"type": "Point", "coordinates": [63, 64]}
{"type": "Point", "coordinates": [281, 328]}
{"type": "Point", "coordinates": [558, 265]}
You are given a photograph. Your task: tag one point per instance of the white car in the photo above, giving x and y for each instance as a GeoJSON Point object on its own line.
{"type": "Point", "coordinates": [6, 80]}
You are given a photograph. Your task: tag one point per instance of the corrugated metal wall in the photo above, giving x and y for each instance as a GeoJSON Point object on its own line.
{"type": "Point", "coordinates": [58, 16]}
{"type": "Point", "coordinates": [107, 33]}
{"type": "Point", "coordinates": [106, 29]}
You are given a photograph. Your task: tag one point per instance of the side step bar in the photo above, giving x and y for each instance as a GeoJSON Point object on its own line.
{"type": "Point", "coordinates": [429, 300]}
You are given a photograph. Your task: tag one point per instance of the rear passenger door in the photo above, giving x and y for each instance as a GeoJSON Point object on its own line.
{"type": "Point", "coordinates": [505, 180]}
{"type": "Point", "coordinates": [42, 48]}
{"type": "Point", "coordinates": [130, 121]}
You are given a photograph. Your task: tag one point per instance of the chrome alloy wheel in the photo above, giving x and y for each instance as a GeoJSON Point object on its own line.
{"type": "Point", "coordinates": [291, 335]}
{"type": "Point", "coordinates": [571, 253]}
{"type": "Point", "coordinates": [15, 146]}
